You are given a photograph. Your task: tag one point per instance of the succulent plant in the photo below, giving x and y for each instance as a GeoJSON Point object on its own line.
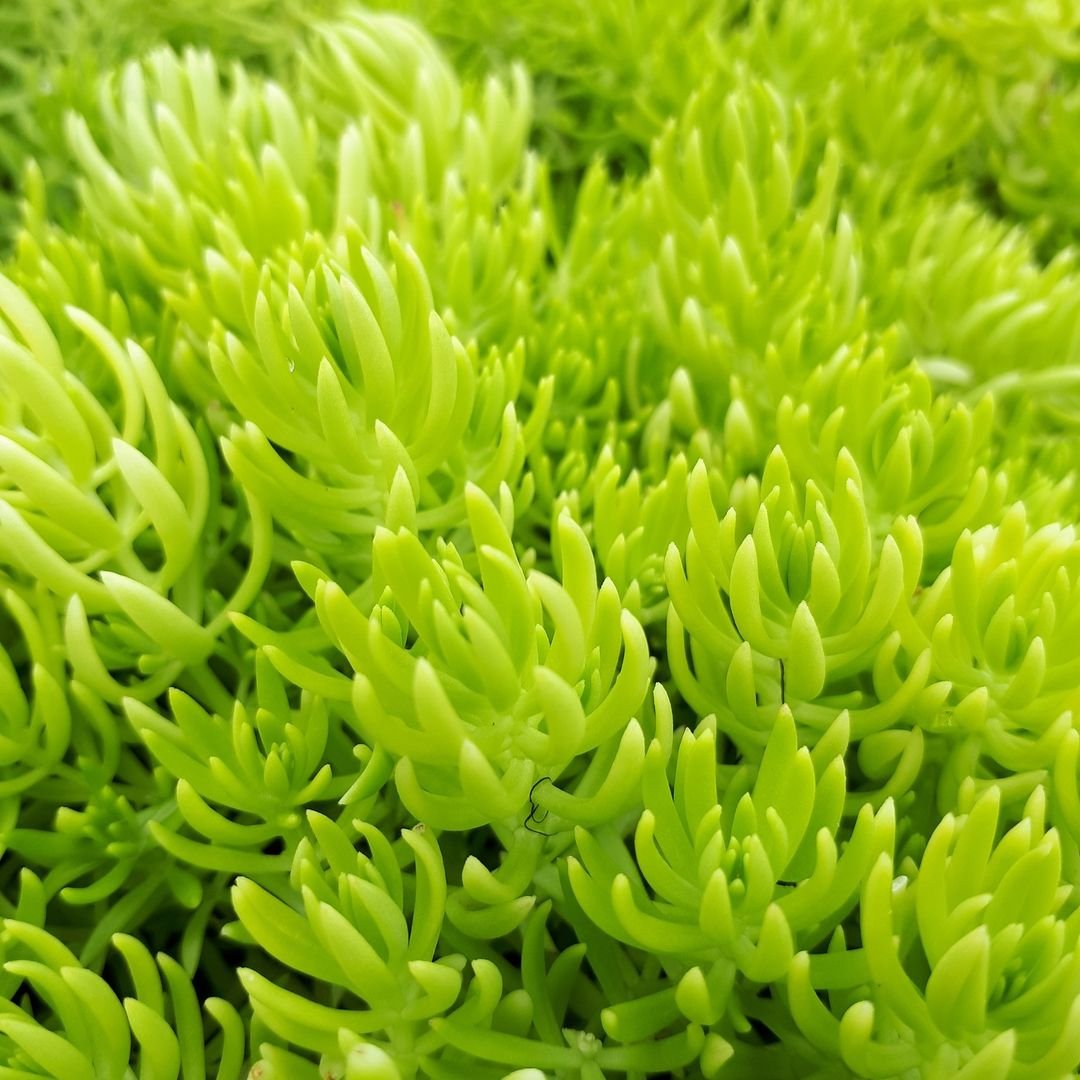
{"type": "Point", "coordinates": [480, 686]}
{"type": "Point", "coordinates": [99, 1035]}
{"type": "Point", "coordinates": [951, 959]}
{"type": "Point", "coordinates": [538, 541]}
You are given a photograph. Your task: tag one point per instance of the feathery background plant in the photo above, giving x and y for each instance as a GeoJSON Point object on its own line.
{"type": "Point", "coordinates": [539, 540]}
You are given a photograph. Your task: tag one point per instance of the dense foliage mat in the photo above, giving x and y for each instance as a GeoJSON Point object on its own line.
{"type": "Point", "coordinates": [540, 539]}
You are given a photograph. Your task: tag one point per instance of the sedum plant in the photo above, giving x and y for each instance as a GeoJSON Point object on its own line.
{"type": "Point", "coordinates": [951, 956]}
{"type": "Point", "coordinates": [481, 686]}
{"type": "Point", "coordinates": [87, 1030]}
{"type": "Point", "coordinates": [788, 600]}
{"type": "Point", "coordinates": [539, 541]}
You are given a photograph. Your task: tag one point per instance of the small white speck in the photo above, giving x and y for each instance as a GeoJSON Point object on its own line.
{"type": "Point", "coordinates": [292, 366]}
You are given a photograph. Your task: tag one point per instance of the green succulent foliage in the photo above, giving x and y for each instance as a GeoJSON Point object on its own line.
{"type": "Point", "coordinates": [708, 884]}
{"type": "Point", "coordinates": [56, 48]}
{"type": "Point", "coordinates": [1007, 38]}
{"type": "Point", "coordinates": [754, 278]}
{"type": "Point", "coordinates": [787, 599]}
{"type": "Point", "coordinates": [1037, 127]}
{"type": "Point", "coordinates": [996, 308]}
{"type": "Point", "coordinates": [108, 503]}
{"type": "Point", "coordinates": [194, 161]}
{"type": "Point", "coordinates": [996, 622]}
{"type": "Point", "coordinates": [37, 720]}
{"type": "Point", "coordinates": [351, 932]}
{"type": "Point", "coordinates": [264, 764]}
{"type": "Point", "coordinates": [539, 540]}
{"type": "Point", "coordinates": [365, 925]}
{"type": "Point", "coordinates": [392, 399]}
{"type": "Point", "coordinates": [919, 454]}
{"type": "Point", "coordinates": [86, 1030]}
{"type": "Point", "coordinates": [479, 686]}
{"type": "Point", "coordinates": [607, 76]}
{"type": "Point", "coordinates": [634, 522]}
{"type": "Point", "coordinates": [951, 956]}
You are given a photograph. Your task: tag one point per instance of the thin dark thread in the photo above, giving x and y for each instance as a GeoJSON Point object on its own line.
{"type": "Point", "coordinates": [534, 807]}
{"type": "Point", "coordinates": [783, 683]}
{"type": "Point", "coordinates": [726, 601]}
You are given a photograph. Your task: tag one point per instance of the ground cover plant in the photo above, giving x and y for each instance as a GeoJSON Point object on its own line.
{"type": "Point", "coordinates": [539, 539]}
